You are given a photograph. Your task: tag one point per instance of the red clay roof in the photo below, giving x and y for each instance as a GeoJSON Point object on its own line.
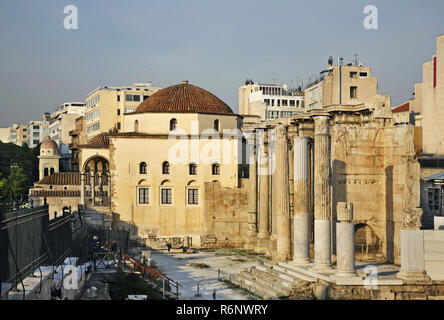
{"type": "Point", "coordinates": [184, 98]}
{"type": "Point", "coordinates": [97, 142]}
{"type": "Point", "coordinates": [67, 178]}
{"type": "Point", "coordinates": [402, 108]}
{"type": "Point", "coordinates": [54, 193]}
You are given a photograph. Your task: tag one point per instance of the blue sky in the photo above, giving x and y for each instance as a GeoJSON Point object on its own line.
{"type": "Point", "coordinates": [215, 44]}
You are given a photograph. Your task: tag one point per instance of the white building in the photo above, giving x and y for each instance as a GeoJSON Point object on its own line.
{"type": "Point", "coordinates": [34, 133]}
{"type": "Point", "coordinates": [269, 101]}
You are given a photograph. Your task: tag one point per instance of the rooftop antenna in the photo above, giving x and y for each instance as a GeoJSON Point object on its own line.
{"type": "Point", "coordinates": [356, 59]}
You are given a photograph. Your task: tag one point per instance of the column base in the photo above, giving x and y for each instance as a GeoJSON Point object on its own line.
{"type": "Point", "coordinates": [301, 261]}
{"type": "Point", "coordinates": [282, 257]}
{"type": "Point", "coordinates": [346, 274]}
{"type": "Point", "coordinates": [413, 275]}
{"type": "Point", "coordinates": [322, 267]}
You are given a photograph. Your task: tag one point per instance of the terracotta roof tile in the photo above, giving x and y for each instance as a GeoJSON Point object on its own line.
{"type": "Point", "coordinates": [99, 141]}
{"type": "Point", "coordinates": [67, 178]}
{"type": "Point", "coordinates": [402, 108]}
{"type": "Point", "coordinates": [184, 98]}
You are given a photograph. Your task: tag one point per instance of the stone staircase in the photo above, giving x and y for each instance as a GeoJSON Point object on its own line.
{"type": "Point", "coordinates": [99, 216]}
{"type": "Point", "coordinates": [270, 280]}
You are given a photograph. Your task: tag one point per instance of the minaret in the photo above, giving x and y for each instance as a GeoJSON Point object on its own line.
{"type": "Point", "coordinates": [48, 159]}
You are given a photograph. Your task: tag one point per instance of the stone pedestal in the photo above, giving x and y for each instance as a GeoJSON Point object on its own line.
{"type": "Point", "coordinates": [322, 223]}
{"type": "Point", "coordinates": [345, 241]}
{"type": "Point", "coordinates": [412, 256]}
{"type": "Point", "coordinates": [301, 218]}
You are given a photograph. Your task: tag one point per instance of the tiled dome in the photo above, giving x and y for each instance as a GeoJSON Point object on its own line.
{"type": "Point", "coordinates": [49, 144]}
{"type": "Point", "coordinates": [184, 98]}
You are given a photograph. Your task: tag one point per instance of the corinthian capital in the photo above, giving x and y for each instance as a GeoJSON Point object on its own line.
{"type": "Point", "coordinates": [321, 125]}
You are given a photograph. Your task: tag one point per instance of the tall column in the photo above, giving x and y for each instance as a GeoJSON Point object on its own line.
{"type": "Point", "coordinates": [301, 218]}
{"type": "Point", "coordinates": [345, 240]}
{"type": "Point", "coordinates": [82, 188]}
{"type": "Point", "coordinates": [322, 208]}
{"type": "Point", "coordinates": [93, 187]}
{"type": "Point", "coordinates": [263, 176]}
{"type": "Point", "coordinates": [100, 187]}
{"type": "Point", "coordinates": [281, 204]}
{"type": "Point", "coordinates": [252, 197]}
{"type": "Point", "coordinates": [108, 177]}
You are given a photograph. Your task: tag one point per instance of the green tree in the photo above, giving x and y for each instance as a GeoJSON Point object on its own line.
{"type": "Point", "coordinates": [17, 182]}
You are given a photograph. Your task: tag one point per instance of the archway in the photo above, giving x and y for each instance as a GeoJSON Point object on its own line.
{"type": "Point", "coordinates": [367, 244]}
{"type": "Point", "coordinates": [97, 181]}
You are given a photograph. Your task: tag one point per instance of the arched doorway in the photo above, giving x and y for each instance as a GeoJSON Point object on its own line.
{"type": "Point", "coordinates": [97, 181]}
{"type": "Point", "coordinates": [367, 244]}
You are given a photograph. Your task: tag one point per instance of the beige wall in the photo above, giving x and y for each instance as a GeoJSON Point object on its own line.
{"type": "Point", "coordinates": [326, 92]}
{"type": "Point", "coordinates": [433, 102]}
{"type": "Point", "coordinates": [109, 105]}
{"type": "Point", "coordinates": [4, 135]}
{"type": "Point", "coordinates": [179, 218]}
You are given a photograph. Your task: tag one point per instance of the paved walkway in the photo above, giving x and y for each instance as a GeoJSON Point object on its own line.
{"type": "Point", "coordinates": [178, 267]}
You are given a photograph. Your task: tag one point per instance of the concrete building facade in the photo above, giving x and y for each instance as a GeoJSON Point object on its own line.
{"type": "Point", "coordinates": [269, 101]}
{"type": "Point", "coordinates": [107, 105]}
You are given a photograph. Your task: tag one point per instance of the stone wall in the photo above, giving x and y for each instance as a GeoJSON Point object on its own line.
{"type": "Point", "coordinates": [374, 168]}
{"type": "Point", "coordinates": [308, 291]}
{"type": "Point", "coordinates": [225, 215]}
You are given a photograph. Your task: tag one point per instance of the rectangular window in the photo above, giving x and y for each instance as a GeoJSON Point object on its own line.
{"type": "Point", "coordinates": [118, 98]}
{"type": "Point", "coordinates": [278, 102]}
{"type": "Point", "coordinates": [118, 126]}
{"type": "Point", "coordinates": [144, 195]}
{"type": "Point", "coordinates": [193, 196]}
{"type": "Point", "coordinates": [284, 103]}
{"type": "Point", "coordinates": [136, 97]}
{"type": "Point", "coordinates": [129, 97]}
{"type": "Point", "coordinates": [353, 92]}
{"type": "Point", "coordinates": [167, 196]}
{"type": "Point", "coordinates": [433, 198]}
{"type": "Point", "coordinates": [291, 103]}
{"type": "Point", "coordinates": [118, 112]}
{"type": "Point", "coordinates": [145, 97]}
{"type": "Point", "coordinates": [363, 74]}
{"type": "Point", "coordinates": [353, 74]}
{"type": "Point", "coordinates": [267, 102]}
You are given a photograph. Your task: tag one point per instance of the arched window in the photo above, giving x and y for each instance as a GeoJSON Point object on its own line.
{"type": "Point", "coordinates": [51, 172]}
{"type": "Point", "coordinates": [173, 124]}
{"type": "Point", "coordinates": [136, 126]}
{"type": "Point", "coordinates": [46, 172]}
{"type": "Point", "coordinates": [143, 168]}
{"type": "Point", "coordinates": [215, 169]}
{"type": "Point", "coordinates": [216, 125]}
{"type": "Point", "coordinates": [193, 169]}
{"type": "Point", "coordinates": [165, 168]}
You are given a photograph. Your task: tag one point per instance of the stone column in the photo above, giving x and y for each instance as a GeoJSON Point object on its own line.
{"type": "Point", "coordinates": [412, 247]}
{"type": "Point", "coordinates": [345, 240]}
{"type": "Point", "coordinates": [82, 188]}
{"type": "Point", "coordinates": [322, 204]}
{"type": "Point", "coordinates": [263, 176]}
{"type": "Point", "coordinates": [93, 187]}
{"type": "Point", "coordinates": [108, 177]}
{"type": "Point", "coordinates": [281, 204]}
{"type": "Point", "coordinates": [301, 218]}
{"type": "Point", "coordinates": [252, 197]}
{"type": "Point", "coordinates": [100, 187]}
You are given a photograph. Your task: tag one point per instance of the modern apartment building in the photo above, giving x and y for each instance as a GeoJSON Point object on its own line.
{"type": "Point", "coordinates": [107, 105]}
{"type": "Point", "coordinates": [350, 84]}
{"type": "Point", "coordinates": [34, 133]}
{"type": "Point", "coordinates": [428, 104]}
{"type": "Point", "coordinates": [58, 126]}
{"type": "Point", "coordinates": [4, 135]}
{"type": "Point", "coordinates": [18, 133]}
{"type": "Point", "coordinates": [269, 101]}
